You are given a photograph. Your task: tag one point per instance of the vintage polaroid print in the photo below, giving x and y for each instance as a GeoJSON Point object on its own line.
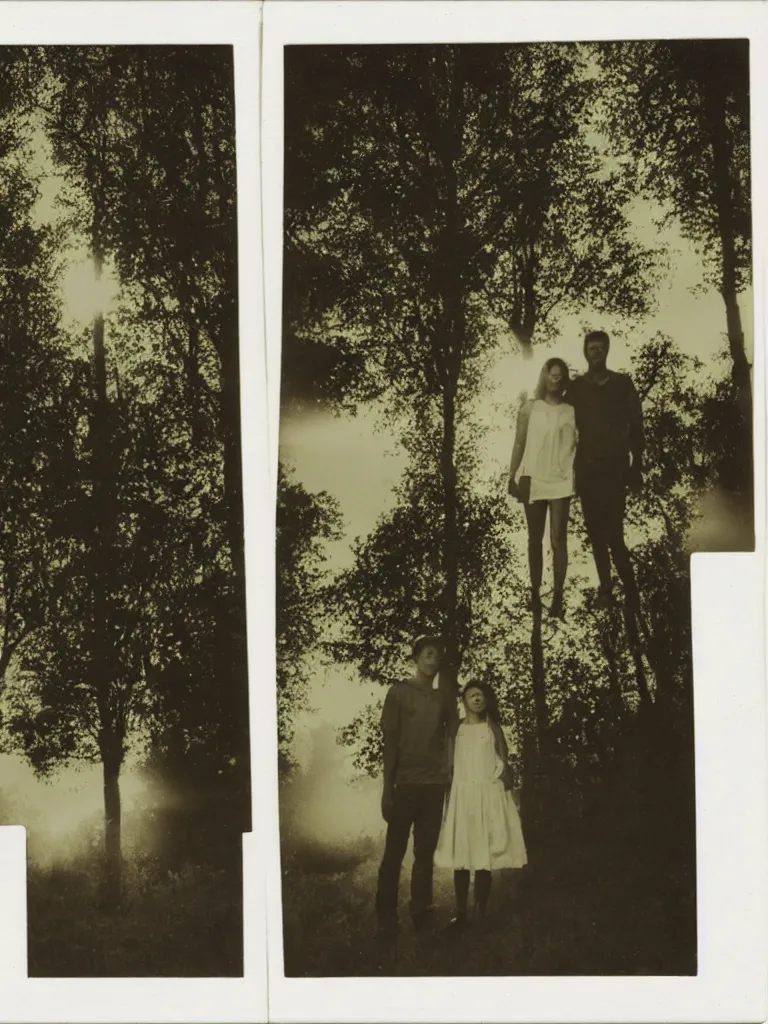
{"type": "Point", "coordinates": [128, 239]}
{"type": "Point", "coordinates": [519, 341]}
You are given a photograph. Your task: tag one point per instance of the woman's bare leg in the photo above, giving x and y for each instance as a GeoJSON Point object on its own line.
{"type": "Point", "coordinates": [536, 517]}
{"type": "Point", "coordinates": [558, 526]}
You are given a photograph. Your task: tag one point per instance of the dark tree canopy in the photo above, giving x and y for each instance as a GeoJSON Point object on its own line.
{"type": "Point", "coordinates": [121, 551]}
{"type": "Point", "coordinates": [421, 177]}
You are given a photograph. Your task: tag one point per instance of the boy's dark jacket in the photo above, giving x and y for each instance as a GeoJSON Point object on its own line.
{"type": "Point", "coordinates": [502, 749]}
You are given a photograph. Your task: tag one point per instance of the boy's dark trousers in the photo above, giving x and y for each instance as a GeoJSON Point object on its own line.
{"type": "Point", "coordinates": [418, 805]}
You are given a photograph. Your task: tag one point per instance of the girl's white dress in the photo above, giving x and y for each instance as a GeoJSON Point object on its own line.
{"type": "Point", "coordinates": [550, 447]}
{"type": "Point", "coordinates": [481, 827]}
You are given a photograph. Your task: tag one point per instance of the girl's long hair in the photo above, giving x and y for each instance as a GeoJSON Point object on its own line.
{"type": "Point", "coordinates": [541, 387]}
{"type": "Point", "coordinates": [491, 700]}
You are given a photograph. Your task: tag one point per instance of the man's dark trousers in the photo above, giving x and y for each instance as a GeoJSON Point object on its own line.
{"type": "Point", "coordinates": [416, 805]}
{"type": "Point", "coordinates": [603, 503]}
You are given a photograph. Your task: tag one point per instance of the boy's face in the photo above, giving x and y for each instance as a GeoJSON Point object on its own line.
{"type": "Point", "coordinates": [428, 661]}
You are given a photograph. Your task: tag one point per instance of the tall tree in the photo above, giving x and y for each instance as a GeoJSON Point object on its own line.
{"type": "Point", "coordinates": [80, 124]}
{"type": "Point", "coordinates": [151, 531]}
{"type": "Point", "coordinates": [677, 113]}
{"type": "Point", "coordinates": [173, 236]}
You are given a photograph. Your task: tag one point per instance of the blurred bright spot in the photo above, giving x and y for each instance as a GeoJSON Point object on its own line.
{"type": "Point", "coordinates": [84, 295]}
{"type": "Point", "coordinates": [64, 816]}
{"type": "Point", "coordinates": [324, 803]}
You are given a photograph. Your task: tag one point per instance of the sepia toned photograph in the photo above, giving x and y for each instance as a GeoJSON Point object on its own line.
{"type": "Point", "coordinates": [124, 742]}
{"type": "Point", "coordinates": [516, 397]}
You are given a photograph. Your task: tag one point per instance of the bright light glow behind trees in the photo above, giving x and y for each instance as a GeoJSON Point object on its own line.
{"type": "Point", "coordinates": [84, 295]}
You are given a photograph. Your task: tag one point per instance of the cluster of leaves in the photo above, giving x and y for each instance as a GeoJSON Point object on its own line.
{"type": "Point", "coordinates": [677, 111]}
{"type": "Point", "coordinates": [305, 523]}
{"type": "Point", "coordinates": [419, 178]}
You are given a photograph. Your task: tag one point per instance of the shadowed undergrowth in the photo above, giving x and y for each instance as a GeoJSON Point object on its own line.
{"type": "Point", "coordinates": [181, 923]}
{"type": "Point", "coordinates": [541, 922]}
{"type": "Point", "coordinates": [609, 890]}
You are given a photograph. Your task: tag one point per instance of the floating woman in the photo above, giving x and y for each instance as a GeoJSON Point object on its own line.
{"type": "Point", "coordinates": [541, 476]}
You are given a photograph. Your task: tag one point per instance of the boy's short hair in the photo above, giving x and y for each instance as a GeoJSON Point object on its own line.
{"type": "Point", "coordinates": [597, 336]}
{"type": "Point", "coordinates": [429, 640]}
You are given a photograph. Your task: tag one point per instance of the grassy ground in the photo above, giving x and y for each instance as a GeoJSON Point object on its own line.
{"type": "Point", "coordinates": [182, 923]}
{"type": "Point", "coordinates": [613, 901]}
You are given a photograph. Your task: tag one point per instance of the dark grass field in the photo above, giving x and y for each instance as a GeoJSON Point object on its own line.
{"type": "Point", "coordinates": [186, 922]}
{"type": "Point", "coordinates": [539, 924]}
{"type": "Point", "coordinates": [610, 892]}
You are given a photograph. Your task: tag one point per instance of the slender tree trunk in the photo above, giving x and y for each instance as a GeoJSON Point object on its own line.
{"type": "Point", "coordinates": [714, 105]}
{"type": "Point", "coordinates": [539, 688]}
{"type": "Point", "coordinates": [102, 653]}
{"type": "Point", "coordinates": [192, 383]}
{"type": "Point", "coordinates": [227, 348]}
{"type": "Point", "coordinates": [449, 365]}
{"type": "Point", "coordinates": [608, 644]}
{"type": "Point", "coordinates": [230, 431]}
{"type": "Point", "coordinates": [524, 314]}
{"type": "Point", "coordinates": [635, 648]}
{"type": "Point", "coordinates": [450, 559]}
{"type": "Point", "coordinates": [112, 834]}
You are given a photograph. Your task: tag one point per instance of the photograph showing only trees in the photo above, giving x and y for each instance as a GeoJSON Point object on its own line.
{"type": "Point", "coordinates": [122, 621]}
{"type": "Point", "coordinates": [443, 205]}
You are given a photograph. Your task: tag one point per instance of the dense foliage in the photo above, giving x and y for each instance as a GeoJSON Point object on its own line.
{"type": "Point", "coordinates": [122, 619]}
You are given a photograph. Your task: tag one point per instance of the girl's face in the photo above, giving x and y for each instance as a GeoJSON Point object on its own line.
{"type": "Point", "coordinates": [474, 700]}
{"type": "Point", "coordinates": [555, 379]}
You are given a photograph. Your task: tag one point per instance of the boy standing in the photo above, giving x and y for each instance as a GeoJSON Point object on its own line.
{"type": "Point", "coordinates": [416, 721]}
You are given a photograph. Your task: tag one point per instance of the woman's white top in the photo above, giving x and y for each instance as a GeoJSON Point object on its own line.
{"type": "Point", "coordinates": [550, 448]}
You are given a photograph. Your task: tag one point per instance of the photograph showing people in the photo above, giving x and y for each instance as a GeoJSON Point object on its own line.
{"type": "Point", "coordinates": [504, 332]}
{"type": "Point", "coordinates": [541, 476]}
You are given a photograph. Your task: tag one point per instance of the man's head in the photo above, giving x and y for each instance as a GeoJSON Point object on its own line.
{"type": "Point", "coordinates": [427, 652]}
{"type": "Point", "coordinates": [596, 346]}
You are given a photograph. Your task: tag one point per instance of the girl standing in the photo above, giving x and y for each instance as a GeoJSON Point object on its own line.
{"type": "Point", "coordinates": [481, 828]}
{"type": "Point", "coordinates": [541, 476]}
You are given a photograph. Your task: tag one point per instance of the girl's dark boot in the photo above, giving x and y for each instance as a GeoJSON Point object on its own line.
{"type": "Point", "coordinates": [461, 888]}
{"type": "Point", "coordinates": [482, 892]}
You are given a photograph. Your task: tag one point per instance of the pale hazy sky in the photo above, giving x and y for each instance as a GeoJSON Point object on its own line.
{"type": "Point", "coordinates": [81, 293]}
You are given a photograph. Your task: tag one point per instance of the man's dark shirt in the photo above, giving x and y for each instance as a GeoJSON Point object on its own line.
{"type": "Point", "coordinates": [417, 719]}
{"type": "Point", "coordinates": [609, 424]}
